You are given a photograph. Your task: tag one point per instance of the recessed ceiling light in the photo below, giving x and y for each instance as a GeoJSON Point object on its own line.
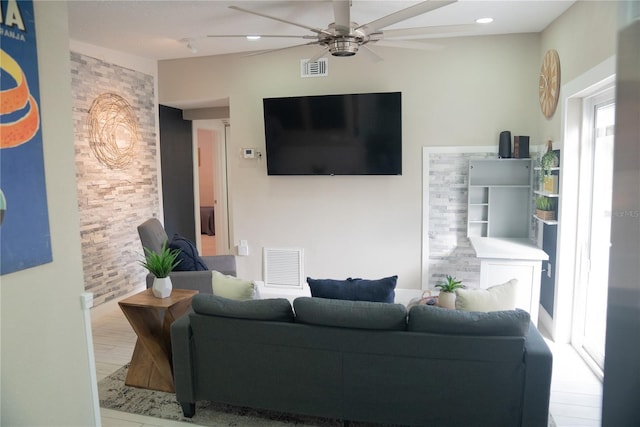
{"type": "Point", "coordinates": [253, 37]}
{"type": "Point", "coordinates": [484, 20]}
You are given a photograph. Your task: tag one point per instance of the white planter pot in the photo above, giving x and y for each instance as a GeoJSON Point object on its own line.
{"type": "Point", "coordinates": [162, 287]}
{"type": "Point", "coordinates": [447, 300]}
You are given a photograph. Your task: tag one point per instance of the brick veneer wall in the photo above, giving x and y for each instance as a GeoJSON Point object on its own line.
{"type": "Point", "coordinates": [450, 251]}
{"type": "Point", "coordinates": [113, 202]}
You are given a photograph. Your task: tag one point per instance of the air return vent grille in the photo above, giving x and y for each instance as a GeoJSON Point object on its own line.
{"type": "Point", "coordinates": [319, 68]}
{"type": "Point", "coordinates": [283, 267]}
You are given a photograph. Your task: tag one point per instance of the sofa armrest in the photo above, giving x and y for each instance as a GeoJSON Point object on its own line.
{"type": "Point", "coordinates": [181, 351]}
{"type": "Point", "coordinates": [225, 264]}
{"type": "Point", "coordinates": [537, 387]}
{"type": "Point", "coordinates": [195, 280]}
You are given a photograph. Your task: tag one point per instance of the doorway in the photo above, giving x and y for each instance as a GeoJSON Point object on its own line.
{"type": "Point", "coordinates": [594, 226]}
{"type": "Point", "coordinates": [210, 137]}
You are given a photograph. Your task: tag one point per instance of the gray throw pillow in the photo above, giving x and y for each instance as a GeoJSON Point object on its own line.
{"type": "Point", "coordinates": [437, 320]}
{"type": "Point", "coordinates": [274, 309]}
{"type": "Point", "coordinates": [350, 314]}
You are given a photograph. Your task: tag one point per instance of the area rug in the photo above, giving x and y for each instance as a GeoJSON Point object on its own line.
{"type": "Point", "coordinates": [114, 394]}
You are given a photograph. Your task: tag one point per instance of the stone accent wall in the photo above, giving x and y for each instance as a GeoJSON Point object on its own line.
{"type": "Point", "coordinates": [450, 250]}
{"type": "Point", "coordinates": [113, 202]}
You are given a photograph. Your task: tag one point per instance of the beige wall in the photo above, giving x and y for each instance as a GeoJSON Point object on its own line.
{"type": "Point", "coordinates": [464, 94]}
{"type": "Point", "coordinates": [45, 364]}
{"type": "Point", "coordinates": [584, 36]}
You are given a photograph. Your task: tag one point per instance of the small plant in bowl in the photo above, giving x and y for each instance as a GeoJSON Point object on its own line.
{"type": "Point", "coordinates": [160, 264]}
{"type": "Point", "coordinates": [545, 208]}
{"type": "Point", "coordinates": [450, 285]}
{"type": "Point", "coordinates": [447, 297]}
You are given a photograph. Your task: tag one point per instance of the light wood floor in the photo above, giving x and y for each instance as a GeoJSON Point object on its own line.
{"type": "Point", "coordinates": [576, 393]}
{"type": "Point", "coordinates": [208, 245]}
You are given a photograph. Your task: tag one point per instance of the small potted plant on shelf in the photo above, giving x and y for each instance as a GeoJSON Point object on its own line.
{"type": "Point", "coordinates": [447, 296]}
{"type": "Point", "coordinates": [545, 208]}
{"type": "Point", "coordinates": [548, 161]}
{"type": "Point", "coordinates": [160, 265]}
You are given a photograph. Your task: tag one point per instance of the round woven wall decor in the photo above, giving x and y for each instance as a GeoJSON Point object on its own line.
{"type": "Point", "coordinates": [113, 132]}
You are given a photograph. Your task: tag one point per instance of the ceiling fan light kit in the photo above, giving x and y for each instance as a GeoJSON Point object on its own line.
{"type": "Point", "coordinates": [343, 38]}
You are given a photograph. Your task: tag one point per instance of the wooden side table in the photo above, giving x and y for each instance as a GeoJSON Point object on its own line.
{"type": "Point", "coordinates": [151, 319]}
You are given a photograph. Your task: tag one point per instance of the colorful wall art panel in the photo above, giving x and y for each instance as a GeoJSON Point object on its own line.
{"type": "Point", "coordinates": [25, 240]}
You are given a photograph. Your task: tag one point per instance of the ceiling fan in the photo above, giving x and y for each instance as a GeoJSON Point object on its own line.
{"type": "Point", "coordinates": [344, 38]}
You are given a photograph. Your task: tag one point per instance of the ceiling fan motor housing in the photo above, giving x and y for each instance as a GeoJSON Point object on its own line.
{"type": "Point", "coordinates": [344, 46]}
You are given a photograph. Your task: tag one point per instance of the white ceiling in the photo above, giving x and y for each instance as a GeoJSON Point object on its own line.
{"type": "Point", "coordinates": [156, 29]}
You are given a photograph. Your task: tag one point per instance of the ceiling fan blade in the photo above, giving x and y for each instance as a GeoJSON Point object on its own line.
{"type": "Point", "coordinates": [427, 31]}
{"type": "Point", "coordinates": [342, 13]}
{"type": "Point", "coordinates": [318, 55]}
{"type": "Point", "coordinates": [259, 35]}
{"type": "Point", "coordinates": [315, 30]}
{"type": "Point", "coordinates": [408, 44]}
{"type": "Point", "coordinates": [404, 14]}
{"type": "Point", "coordinates": [372, 54]}
{"type": "Point", "coordinates": [262, 52]}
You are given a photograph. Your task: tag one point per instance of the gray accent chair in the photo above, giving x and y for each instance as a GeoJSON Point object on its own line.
{"type": "Point", "coordinates": [153, 235]}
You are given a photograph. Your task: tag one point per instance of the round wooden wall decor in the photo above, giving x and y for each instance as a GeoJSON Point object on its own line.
{"type": "Point", "coordinates": [549, 83]}
{"type": "Point", "coordinates": [113, 132]}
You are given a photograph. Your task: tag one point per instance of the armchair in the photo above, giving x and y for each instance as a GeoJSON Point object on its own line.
{"type": "Point", "coordinates": [153, 235]}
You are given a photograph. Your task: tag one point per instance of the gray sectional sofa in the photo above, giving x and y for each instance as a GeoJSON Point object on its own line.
{"type": "Point", "coordinates": [363, 361]}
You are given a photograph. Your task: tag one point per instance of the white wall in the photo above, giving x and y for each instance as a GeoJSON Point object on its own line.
{"type": "Point", "coordinates": [45, 364]}
{"type": "Point", "coordinates": [370, 227]}
{"type": "Point", "coordinates": [464, 94]}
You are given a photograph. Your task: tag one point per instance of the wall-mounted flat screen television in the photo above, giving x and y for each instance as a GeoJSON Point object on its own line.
{"type": "Point", "coordinates": [352, 134]}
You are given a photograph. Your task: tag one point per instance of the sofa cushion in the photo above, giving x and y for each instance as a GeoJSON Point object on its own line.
{"type": "Point", "coordinates": [231, 287]}
{"type": "Point", "coordinates": [494, 298]}
{"type": "Point", "coordinates": [275, 309]}
{"type": "Point", "coordinates": [425, 318]}
{"type": "Point", "coordinates": [189, 258]}
{"type": "Point", "coordinates": [381, 290]}
{"type": "Point", "coordinates": [350, 314]}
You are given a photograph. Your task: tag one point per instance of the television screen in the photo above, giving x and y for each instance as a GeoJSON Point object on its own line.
{"type": "Point", "coordinates": [353, 134]}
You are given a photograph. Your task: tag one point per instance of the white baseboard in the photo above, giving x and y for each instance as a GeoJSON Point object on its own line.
{"type": "Point", "coordinates": [545, 323]}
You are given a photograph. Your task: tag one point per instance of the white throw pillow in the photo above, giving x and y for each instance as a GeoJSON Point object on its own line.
{"type": "Point", "coordinates": [495, 298]}
{"type": "Point", "coordinates": [232, 287]}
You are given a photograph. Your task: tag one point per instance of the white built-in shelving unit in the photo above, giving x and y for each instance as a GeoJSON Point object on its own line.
{"type": "Point", "coordinates": [499, 198]}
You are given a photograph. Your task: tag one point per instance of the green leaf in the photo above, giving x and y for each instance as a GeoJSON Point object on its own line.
{"type": "Point", "coordinates": [450, 285]}
{"type": "Point", "coordinates": [163, 263]}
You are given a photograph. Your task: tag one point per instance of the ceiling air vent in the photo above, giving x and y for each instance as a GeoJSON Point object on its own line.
{"type": "Point", "coordinates": [319, 68]}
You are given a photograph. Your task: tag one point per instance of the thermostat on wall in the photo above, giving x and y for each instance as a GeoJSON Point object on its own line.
{"type": "Point", "coordinates": [248, 153]}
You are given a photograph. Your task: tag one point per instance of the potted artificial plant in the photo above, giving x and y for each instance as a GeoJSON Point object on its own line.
{"type": "Point", "coordinates": [545, 208]}
{"type": "Point", "coordinates": [548, 161]}
{"type": "Point", "coordinates": [160, 264]}
{"type": "Point", "coordinates": [447, 296]}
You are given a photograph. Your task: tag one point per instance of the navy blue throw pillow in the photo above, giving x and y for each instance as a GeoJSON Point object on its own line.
{"type": "Point", "coordinates": [189, 258]}
{"type": "Point", "coordinates": [382, 290]}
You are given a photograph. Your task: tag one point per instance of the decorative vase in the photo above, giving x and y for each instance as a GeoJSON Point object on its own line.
{"type": "Point", "coordinates": [161, 287]}
{"type": "Point", "coordinates": [447, 300]}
